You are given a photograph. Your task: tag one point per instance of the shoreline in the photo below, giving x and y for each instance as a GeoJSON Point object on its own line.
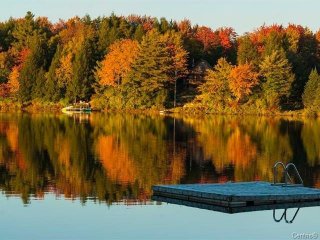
{"type": "Point", "coordinates": [9, 107]}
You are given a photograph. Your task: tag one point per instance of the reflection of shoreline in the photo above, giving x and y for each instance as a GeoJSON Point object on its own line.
{"type": "Point", "coordinates": [53, 194]}
{"type": "Point", "coordinates": [112, 157]}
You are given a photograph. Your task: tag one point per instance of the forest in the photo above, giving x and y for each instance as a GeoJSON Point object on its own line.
{"type": "Point", "coordinates": [140, 62]}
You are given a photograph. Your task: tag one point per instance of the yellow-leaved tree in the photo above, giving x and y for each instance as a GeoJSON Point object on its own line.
{"type": "Point", "coordinates": [117, 63]}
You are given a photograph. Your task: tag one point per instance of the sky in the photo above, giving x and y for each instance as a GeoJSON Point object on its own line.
{"type": "Point", "coordinates": [242, 15]}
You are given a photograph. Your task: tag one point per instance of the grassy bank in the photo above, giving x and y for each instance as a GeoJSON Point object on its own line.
{"type": "Point", "coordinates": [197, 109]}
{"type": "Point", "coordinates": [9, 105]}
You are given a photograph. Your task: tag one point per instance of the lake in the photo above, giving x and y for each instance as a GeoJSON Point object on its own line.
{"type": "Point", "coordinates": [90, 176]}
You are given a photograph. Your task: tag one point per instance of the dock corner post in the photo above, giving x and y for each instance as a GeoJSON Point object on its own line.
{"type": "Point", "coordinates": [286, 175]}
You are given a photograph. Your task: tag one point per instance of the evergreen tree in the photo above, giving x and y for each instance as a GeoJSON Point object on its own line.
{"type": "Point", "coordinates": [156, 24]}
{"type": "Point", "coordinates": [80, 86]}
{"type": "Point", "coordinates": [247, 52]}
{"type": "Point", "coordinates": [6, 64]}
{"type": "Point", "coordinates": [164, 25]}
{"type": "Point", "coordinates": [150, 73]}
{"type": "Point", "coordinates": [103, 36]}
{"type": "Point", "coordinates": [31, 67]}
{"type": "Point", "coordinates": [215, 89]}
{"type": "Point", "coordinates": [317, 101]}
{"type": "Point", "coordinates": [303, 60]}
{"type": "Point", "coordinates": [124, 29]}
{"type": "Point", "coordinates": [53, 91]}
{"type": "Point", "coordinates": [27, 75]}
{"type": "Point", "coordinates": [6, 38]}
{"type": "Point", "coordinates": [277, 77]}
{"type": "Point", "coordinates": [24, 31]}
{"type": "Point", "coordinates": [139, 33]}
{"type": "Point", "coordinates": [311, 90]}
{"type": "Point", "coordinates": [114, 33]}
{"type": "Point", "coordinates": [275, 41]}
{"type": "Point", "coordinates": [39, 85]}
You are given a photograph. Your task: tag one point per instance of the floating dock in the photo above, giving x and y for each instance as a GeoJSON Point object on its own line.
{"type": "Point", "coordinates": [237, 197]}
{"type": "Point", "coordinates": [232, 210]}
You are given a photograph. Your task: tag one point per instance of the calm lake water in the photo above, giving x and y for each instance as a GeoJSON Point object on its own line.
{"type": "Point", "coordinates": [90, 176]}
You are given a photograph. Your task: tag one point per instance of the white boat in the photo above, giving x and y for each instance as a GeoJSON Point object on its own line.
{"type": "Point", "coordinates": [77, 108]}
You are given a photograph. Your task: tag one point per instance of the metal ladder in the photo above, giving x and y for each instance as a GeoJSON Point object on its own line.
{"type": "Point", "coordinates": [284, 216]}
{"type": "Point", "coordinates": [288, 179]}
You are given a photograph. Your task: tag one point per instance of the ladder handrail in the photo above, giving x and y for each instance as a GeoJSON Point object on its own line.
{"type": "Point", "coordinates": [296, 170]}
{"type": "Point", "coordinates": [276, 219]}
{"type": "Point", "coordinates": [275, 173]}
{"type": "Point", "coordinates": [286, 173]}
{"type": "Point", "coordinates": [294, 216]}
{"type": "Point", "coordinates": [284, 216]}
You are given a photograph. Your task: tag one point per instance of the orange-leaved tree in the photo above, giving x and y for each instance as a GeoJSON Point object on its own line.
{"type": "Point", "coordinates": [227, 37]}
{"type": "Point", "coordinates": [317, 35]}
{"type": "Point", "coordinates": [185, 28]}
{"type": "Point", "coordinates": [242, 79]}
{"type": "Point", "coordinates": [207, 37]}
{"type": "Point", "coordinates": [4, 90]}
{"type": "Point", "coordinates": [13, 82]}
{"type": "Point", "coordinates": [117, 63]}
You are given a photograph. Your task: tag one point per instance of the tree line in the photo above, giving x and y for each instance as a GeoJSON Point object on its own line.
{"type": "Point", "coordinates": [140, 62]}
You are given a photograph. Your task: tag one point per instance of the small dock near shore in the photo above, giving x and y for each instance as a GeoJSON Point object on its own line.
{"type": "Point", "coordinates": [233, 197]}
{"type": "Point", "coordinates": [237, 195]}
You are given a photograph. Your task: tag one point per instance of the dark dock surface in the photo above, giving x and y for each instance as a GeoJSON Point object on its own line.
{"type": "Point", "coordinates": [232, 210]}
{"type": "Point", "coordinates": [237, 195]}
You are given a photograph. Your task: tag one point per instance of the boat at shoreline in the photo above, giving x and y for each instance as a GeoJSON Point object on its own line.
{"type": "Point", "coordinates": [77, 108]}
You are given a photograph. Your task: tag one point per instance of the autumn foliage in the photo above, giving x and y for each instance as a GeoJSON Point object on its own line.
{"type": "Point", "coordinates": [13, 82]}
{"type": "Point", "coordinates": [207, 37]}
{"type": "Point", "coordinates": [117, 63]}
{"type": "Point", "coordinates": [242, 80]}
{"type": "Point", "coordinates": [143, 62]}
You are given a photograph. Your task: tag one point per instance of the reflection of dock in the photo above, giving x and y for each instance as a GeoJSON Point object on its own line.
{"type": "Point", "coordinates": [238, 197]}
{"type": "Point", "coordinates": [232, 210]}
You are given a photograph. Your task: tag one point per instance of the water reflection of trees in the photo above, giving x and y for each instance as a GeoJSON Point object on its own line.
{"type": "Point", "coordinates": [108, 158]}
{"type": "Point", "coordinates": [310, 135]}
{"type": "Point", "coordinates": [114, 157]}
{"type": "Point", "coordinates": [248, 145]}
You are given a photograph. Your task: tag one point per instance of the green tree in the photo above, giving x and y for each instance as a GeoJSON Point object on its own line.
{"type": "Point", "coordinates": [103, 36]}
{"type": "Point", "coordinates": [125, 29]}
{"type": "Point", "coordinates": [164, 25]}
{"type": "Point", "coordinates": [311, 90]}
{"type": "Point", "coordinates": [247, 52]}
{"type": "Point", "coordinates": [24, 31]}
{"type": "Point", "coordinates": [109, 31]}
{"type": "Point", "coordinates": [80, 87]}
{"type": "Point", "coordinates": [274, 41]}
{"type": "Point", "coordinates": [35, 61]}
{"type": "Point", "coordinates": [215, 90]}
{"type": "Point", "coordinates": [6, 64]}
{"type": "Point", "coordinates": [150, 74]}
{"type": "Point", "coordinates": [39, 85]}
{"type": "Point", "coordinates": [139, 33]}
{"type": "Point", "coordinates": [277, 77]}
{"type": "Point", "coordinates": [6, 38]}
{"type": "Point", "coordinates": [303, 60]}
{"type": "Point", "coordinates": [53, 91]}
